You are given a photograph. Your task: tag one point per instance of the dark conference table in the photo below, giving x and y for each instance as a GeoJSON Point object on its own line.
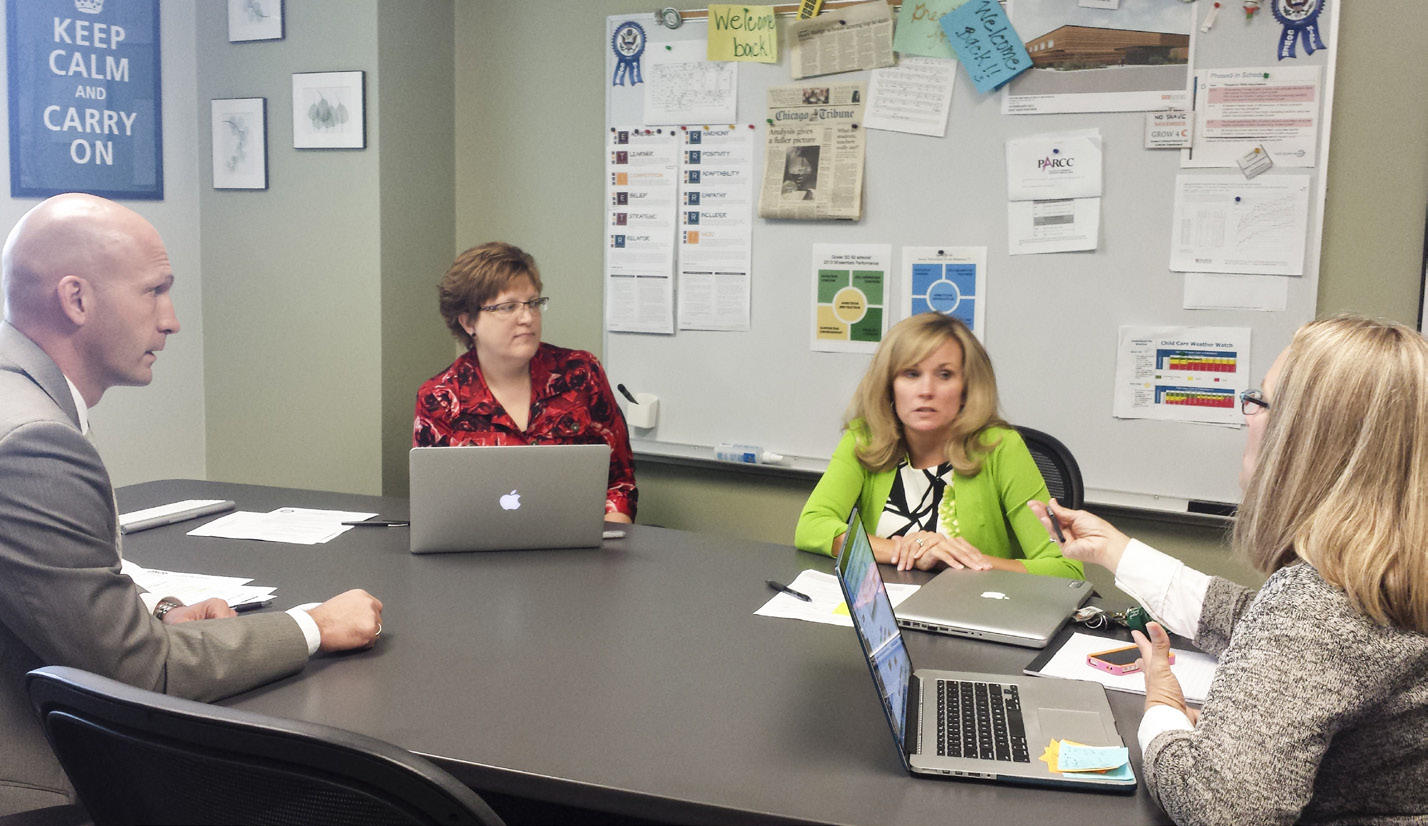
{"type": "Point", "coordinates": [633, 679]}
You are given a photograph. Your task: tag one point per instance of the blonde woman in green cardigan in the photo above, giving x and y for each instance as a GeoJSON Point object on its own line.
{"type": "Point", "coordinates": [938, 477]}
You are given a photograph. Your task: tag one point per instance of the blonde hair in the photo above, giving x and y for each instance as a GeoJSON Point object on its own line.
{"type": "Point", "coordinates": [1342, 471]}
{"type": "Point", "coordinates": [479, 275]}
{"type": "Point", "coordinates": [907, 343]}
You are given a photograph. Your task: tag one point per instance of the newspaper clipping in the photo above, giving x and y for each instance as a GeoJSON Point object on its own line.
{"type": "Point", "coordinates": [813, 167]}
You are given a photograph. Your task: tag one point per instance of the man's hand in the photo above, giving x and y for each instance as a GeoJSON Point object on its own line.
{"type": "Point", "coordinates": [348, 620]}
{"type": "Point", "coordinates": [213, 608]}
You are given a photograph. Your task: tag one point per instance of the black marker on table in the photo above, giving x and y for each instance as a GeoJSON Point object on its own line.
{"type": "Point", "coordinates": [787, 590]}
{"type": "Point", "coordinates": [244, 607]}
{"type": "Point", "coordinates": [627, 394]}
{"type": "Point", "coordinates": [379, 523]}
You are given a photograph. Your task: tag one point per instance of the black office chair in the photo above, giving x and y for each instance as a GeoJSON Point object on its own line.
{"type": "Point", "coordinates": [1058, 467]}
{"type": "Point", "coordinates": [136, 756]}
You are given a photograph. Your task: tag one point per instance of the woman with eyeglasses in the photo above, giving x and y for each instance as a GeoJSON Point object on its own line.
{"type": "Point", "coordinates": [509, 387]}
{"type": "Point", "coordinates": [1319, 708]}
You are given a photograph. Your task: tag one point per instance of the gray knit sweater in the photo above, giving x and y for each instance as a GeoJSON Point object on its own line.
{"type": "Point", "coordinates": [1315, 714]}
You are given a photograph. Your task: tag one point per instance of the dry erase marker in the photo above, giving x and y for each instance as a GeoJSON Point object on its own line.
{"type": "Point", "coordinates": [627, 394]}
{"type": "Point", "coordinates": [1055, 524]}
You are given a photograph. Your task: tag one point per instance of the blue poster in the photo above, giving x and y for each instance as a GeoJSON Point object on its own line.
{"type": "Point", "coordinates": [84, 98]}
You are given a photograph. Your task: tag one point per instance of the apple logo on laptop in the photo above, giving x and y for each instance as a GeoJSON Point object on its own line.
{"type": "Point", "coordinates": [994, 595]}
{"type": "Point", "coordinates": [511, 501]}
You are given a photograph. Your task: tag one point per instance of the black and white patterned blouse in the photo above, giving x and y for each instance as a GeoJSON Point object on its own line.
{"type": "Point", "coordinates": [916, 502]}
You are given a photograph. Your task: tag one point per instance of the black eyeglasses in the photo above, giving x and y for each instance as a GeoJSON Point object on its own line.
{"type": "Point", "coordinates": [509, 308]}
{"type": "Point", "coordinates": [1252, 401]}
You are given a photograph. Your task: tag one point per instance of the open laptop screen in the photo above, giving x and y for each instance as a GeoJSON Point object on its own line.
{"type": "Point", "coordinates": [873, 618]}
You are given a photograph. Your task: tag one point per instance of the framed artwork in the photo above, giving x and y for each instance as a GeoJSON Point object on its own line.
{"type": "Point", "coordinates": [329, 110]}
{"type": "Point", "coordinates": [240, 143]}
{"type": "Point", "coordinates": [255, 20]}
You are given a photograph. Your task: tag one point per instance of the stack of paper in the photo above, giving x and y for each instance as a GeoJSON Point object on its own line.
{"type": "Point", "coordinates": [301, 526]}
{"type": "Point", "coordinates": [825, 600]}
{"type": "Point", "coordinates": [191, 588]}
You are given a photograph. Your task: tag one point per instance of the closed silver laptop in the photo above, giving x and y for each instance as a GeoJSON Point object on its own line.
{"type": "Point", "coordinates": [969, 724]}
{"type": "Point", "coordinates": [508, 498]}
{"type": "Point", "coordinates": [1001, 606]}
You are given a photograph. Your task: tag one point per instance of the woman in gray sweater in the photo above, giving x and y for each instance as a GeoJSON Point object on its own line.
{"type": "Point", "coordinates": [1318, 712]}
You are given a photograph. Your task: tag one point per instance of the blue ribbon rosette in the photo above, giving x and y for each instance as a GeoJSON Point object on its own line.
{"type": "Point", "coordinates": [1300, 19]}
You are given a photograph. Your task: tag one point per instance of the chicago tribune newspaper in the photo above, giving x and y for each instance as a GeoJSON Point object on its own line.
{"type": "Point", "coordinates": [813, 161]}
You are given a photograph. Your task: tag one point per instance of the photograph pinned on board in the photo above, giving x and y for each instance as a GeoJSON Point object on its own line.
{"type": "Point", "coordinates": [250, 20]}
{"type": "Point", "coordinates": [240, 143]}
{"type": "Point", "coordinates": [328, 110]}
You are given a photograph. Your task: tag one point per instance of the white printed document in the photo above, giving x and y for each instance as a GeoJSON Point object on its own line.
{"type": "Point", "coordinates": [1224, 223]}
{"type": "Point", "coordinates": [825, 603]}
{"type": "Point", "coordinates": [1182, 374]}
{"type": "Point", "coordinates": [300, 526]}
{"type": "Point", "coordinates": [1193, 669]}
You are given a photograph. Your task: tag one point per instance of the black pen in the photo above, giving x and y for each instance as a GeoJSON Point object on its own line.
{"type": "Point", "coordinates": [379, 523]}
{"type": "Point", "coordinates": [787, 590]}
{"type": "Point", "coordinates": [244, 607]}
{"type": "Point", "coordinates": [1055, 524]}
{"type": "Point", "coordinates": [627, 394]}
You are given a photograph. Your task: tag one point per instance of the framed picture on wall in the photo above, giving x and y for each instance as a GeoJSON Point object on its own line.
{"type": "Point", "coordinates": [329, 111]}
{"type": "Point", "coordinates": [255, 20]}
{"type": "Point", "coordinates": [240, 143]}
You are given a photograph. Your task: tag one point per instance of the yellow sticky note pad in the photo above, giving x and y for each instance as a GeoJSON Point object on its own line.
{"type": "Point", "coordinates": [745, 33]}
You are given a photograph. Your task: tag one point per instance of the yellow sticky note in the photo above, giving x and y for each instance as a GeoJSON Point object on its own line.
{"type": "Point", "coordinates": [745, 33]}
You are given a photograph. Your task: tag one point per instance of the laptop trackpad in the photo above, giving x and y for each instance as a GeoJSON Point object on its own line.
{"type": "Point", "coordinates": [1077, 726]}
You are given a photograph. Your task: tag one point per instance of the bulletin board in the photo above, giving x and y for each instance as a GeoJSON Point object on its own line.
{"type": "Point", "coordinates": [1051, 320]}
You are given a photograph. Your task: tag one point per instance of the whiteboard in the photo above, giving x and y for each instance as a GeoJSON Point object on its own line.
{"type": "Point", "coordinates": [1051, 319]}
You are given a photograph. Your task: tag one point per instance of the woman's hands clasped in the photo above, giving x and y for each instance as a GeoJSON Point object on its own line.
{"type": "Point", "coordinates": [925, 550]}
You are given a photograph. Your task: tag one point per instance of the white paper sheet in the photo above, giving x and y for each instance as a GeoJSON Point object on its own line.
{"type": "Point", "coordinates": [190, 588]}
{"type": "Point", "coordinates": [642, 173]}
{"type": "Point", "coordinates": [914, 96]}
{"type": "Point", "coordinates": [1221, 291]}
{"type": "Point", "coordinates": [1224, 223]}
{"type": "Point", "coordinates": [301, 526]}
{"type": "Point", "coordinates": [851, 297]}
{"type": "Point", "coordinates": [1182, 374]}
{"type": "Point", "coordinates": [1276, 107]}
{"type": "Point", "coordinates": [1053, 226]}
{"type": "Point", "coordinates": [1054, 166]}
{"type": "Point", "coordinates": [827, 604]}
{"type": "Point", "coordinates": [716, 232]}
{"type": "Point", "coordinates": [682, 87]}
{"type": "Point", "coordinates": [1193, 669]}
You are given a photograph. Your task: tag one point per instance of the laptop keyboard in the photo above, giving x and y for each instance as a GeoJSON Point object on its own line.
{"type": "Point", "coordinates": [981, 721]}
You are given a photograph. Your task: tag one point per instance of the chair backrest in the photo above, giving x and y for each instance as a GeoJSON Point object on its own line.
{"type": "Point", "coordinates": [1058, 467]}
{"type": "Point", "coordinates": [137, 756]}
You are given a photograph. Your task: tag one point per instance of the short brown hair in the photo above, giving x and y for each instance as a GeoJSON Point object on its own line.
{"type": "Point", "coordinates": [479, 275]}
{"type": "Point", "coordinates": [907, 343]}
{"type": "Point", "coordinates": [1343, 467]}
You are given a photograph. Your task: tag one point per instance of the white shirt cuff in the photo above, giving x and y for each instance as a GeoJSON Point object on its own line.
{"type": "Point", "coordinates": [1159, 719]}
{"type": "Point", "coordinates": [308, 626]}
{"type": "Point", "coordinates": [1173, 592]}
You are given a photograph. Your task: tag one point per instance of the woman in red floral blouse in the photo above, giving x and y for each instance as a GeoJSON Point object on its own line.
{"type": "Point", "coordinates": [509, 388]}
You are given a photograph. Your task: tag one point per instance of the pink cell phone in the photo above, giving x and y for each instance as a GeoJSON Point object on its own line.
{"type": "Point", "coordinates": [1118, 660]}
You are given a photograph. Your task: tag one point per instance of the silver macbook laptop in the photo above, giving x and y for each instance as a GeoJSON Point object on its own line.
{"type": "Point", "coordinates": [1001, 606]}
{"type": "Point", "coordinates": [966, 724]}
{"type": "Point", "coordinates": [508, 498]}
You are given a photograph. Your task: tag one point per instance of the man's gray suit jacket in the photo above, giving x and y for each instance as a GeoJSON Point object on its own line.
{"type": "Point", "coordinates": [62, 598]}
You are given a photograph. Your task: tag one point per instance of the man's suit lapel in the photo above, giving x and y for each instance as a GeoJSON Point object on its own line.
{"type": "Point", "coordinates": [20, 355]}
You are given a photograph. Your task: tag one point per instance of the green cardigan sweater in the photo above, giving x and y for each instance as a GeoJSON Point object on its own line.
{"type": "Point", "coordinates": [991, 506]}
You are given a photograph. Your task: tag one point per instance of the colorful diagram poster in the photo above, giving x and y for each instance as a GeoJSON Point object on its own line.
{"type": "Point", "coordinates": [1182, 374]}
{"type": "Point", "coordinates": [947, 280]}
{"type": "Point", "coordinates": [850, 289]}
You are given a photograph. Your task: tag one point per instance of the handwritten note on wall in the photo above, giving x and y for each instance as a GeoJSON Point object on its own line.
{"type": "Point", "coordinates": [744, 33]}
{"type": "Point", "coordinates": [918, 32]}
{"type": "Point", "coordinates": [986, 43]}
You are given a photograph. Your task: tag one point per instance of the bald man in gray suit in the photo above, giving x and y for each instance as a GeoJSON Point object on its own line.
{"type": "Point", "coordinates": [87, 307]}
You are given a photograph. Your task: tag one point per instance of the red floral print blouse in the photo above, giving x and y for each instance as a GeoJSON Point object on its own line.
{"type": "Point", "coordinates": [571, 403]}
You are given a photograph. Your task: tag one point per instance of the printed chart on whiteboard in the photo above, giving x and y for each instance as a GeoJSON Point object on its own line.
{"type": "Point", "coordinates": [1183, 374]}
